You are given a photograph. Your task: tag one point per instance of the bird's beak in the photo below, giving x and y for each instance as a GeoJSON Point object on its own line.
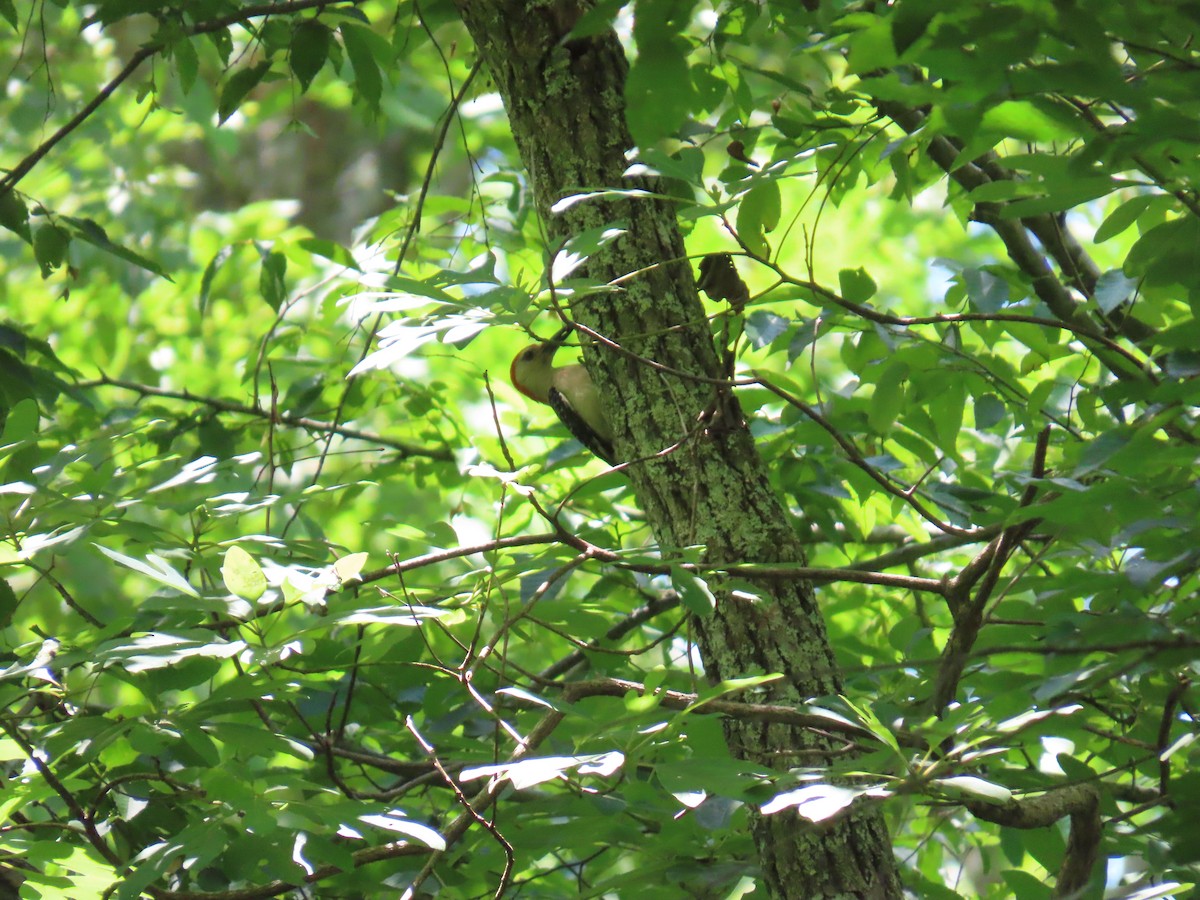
{"type": "Point", "coordinates": [560, 337]}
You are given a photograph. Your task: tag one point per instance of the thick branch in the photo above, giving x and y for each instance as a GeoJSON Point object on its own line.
{"type": "Point", "coordinates": [1079, 801]}
{"type": "Point", "coordinates": [1065, 250]}
{"type": "Point", "coordinates": [983, 572]}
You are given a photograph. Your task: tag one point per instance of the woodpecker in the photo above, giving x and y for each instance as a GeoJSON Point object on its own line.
{"type": "Point", "coordinates": [568, 390]}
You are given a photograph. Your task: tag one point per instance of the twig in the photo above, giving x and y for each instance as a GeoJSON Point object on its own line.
{"type": "Point", "coordinates": [429, 559]}
{"type": "Point", "coordinates": [485, 797]}
{"type": "Point", "coordinates": [667, 601]}
{"type": "Point", "coordinates": [758, 712]}
{"type": "Point", "coordinates": [26, 165]}
{"type": "Point", "coordinates": [857, 458]}
{"type": "Point", "coordinates": [374, 329]}
{"type": "Point", "coordinates": [488, 826]}
{"type": "Point", "coordinates": [73, 807]}
{"type": "Point", "coordinates": [443, 454]}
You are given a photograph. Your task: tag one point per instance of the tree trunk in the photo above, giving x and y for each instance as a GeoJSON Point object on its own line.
{"type": "Point", "coordinates": [565, 102]}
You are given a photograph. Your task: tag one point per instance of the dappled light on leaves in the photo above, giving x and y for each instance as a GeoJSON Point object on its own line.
{"type": "Point", "coordinates": [888, 313]}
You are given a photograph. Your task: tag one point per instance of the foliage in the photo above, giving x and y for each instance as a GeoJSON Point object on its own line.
{"type": "Point", "coordinates": [287, 581]}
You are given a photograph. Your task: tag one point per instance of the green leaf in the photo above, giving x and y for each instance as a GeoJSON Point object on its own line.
{"type": "Point", "coordinates": [871, 48]}
{"type": "Point", "coordinates": [856, 285]}
{"type": "Point", "coordinates": [275, 35]}
{"type": "Point", "coordinates": [10, 13]}
{"type": "Point", "coordinates": [14, 215]}
{"type": "Point", "coordinates": [868, 719]}
{"type": "Point", "coordinates": [658, 90]}
{"type": "Point", "coordinates": [187, 63]}
{"type": "Point", "coordinates": [154, 568]}
{"type": "Point", "coordinates": [8, 603]}
{"type": "Point", "coordinates": [597, 18]}
{"type": "Point", "coordinates": [763, 327]}
{"type": "Point", "coordinates": [50, 247]}
{"type": "Point", "coordinates": [1026, 886]}
{"type": "Point", "coordinates": [946, 409]}
{"type": "Point", "coordinates": [1122, 217]}
{"type": "Point", "coordinates": [989, 410]}
{"type": "Point", "coordinates": [238, 86]}
{"type": "Point", "coordinates": [1113, 288]}
{"type": "Point", "coordinates": [271, 282]}
{"type": "Point", "coordinates": [178, 661]}
{"type": "Point", "coordinates": [222, 40]}
{"type": "Point", "coordinates": [91, 232]}
{"type": "Point", "coordinates": [22, 422]}
{"type": "Point", "coordinates": [1024, 120]}
{"type": "Point", "coordinates": [330, 251]}
{"type": "Point", "coordinates": [927, 889]}
{"type": "Point", "coordinates": [888, 399]}
{"type": "Point", "coordinates": [210, 272]}
{"type": "Point", "coordinates": [581, 247]}
{"type": "Point", "coordinates": [911, 21]}
{"type": "Point", "coordinates": [694, 593]}
{"type": "Point", "coordinates": [1166, 254]}
{"type": "Point", "coordinates": [1060, 195]}
{"type": "Point", "coordinates": [398, 824]}
{"type": "Point", "coordinates": [985, 291]}
{"type": "Point", "coordinates": [972, 786]}
{"type": "Point", "coordinates": [242, 575]}
{"type": "Point", "coordinates": [308, 51]}
{"type": "Point", "coordinates": [348, 567]}
{"type": "Point", "coordinates": [758, 214]}
{"type": "Point", "coordinates": [404, 616]}
{"type": "Point", "coordinates": [357, 41]}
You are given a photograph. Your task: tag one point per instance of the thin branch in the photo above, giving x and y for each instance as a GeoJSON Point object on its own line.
{"type": "Point", "coordinates": [455, 102]}
{"type": "Point", "coordinates": [26, 165]}
{"type": "Point", "coordinates": [66, 595]}
{"type": "Point", "coordinates": [484, 798]}
{"type": "Point", "coordinates": [488, 826]}
{"type": "Point", "coordinates": [910, 553]}
{"type": "Point", "coordinates": [667, 601]}
{"type": "Point", "coordinates": [758, 712]}
{"type": "Point", "coordinates": [1177, 691]}
{"type": "Point", "coordinates": [435, 153]}
{"type": "Point", "coordinates": [859, 460]}
{"type": "Point", "coordinates": [1081, 328]}
{"type": "Point", "coordinates": [429, 559]}
{"type": "Point", "coordinates": [73, 807]}
{"type": "Point", "coordinates": [816, 575]}
{"type": "Point", "coordinates": [443, 454]}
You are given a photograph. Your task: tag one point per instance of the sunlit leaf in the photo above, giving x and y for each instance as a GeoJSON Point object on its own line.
{"type": "Point", "coordinates": [856, 285]}
{"type": "Point", "coordinates": [400, 825]}
{"type": "Point", "coordinates": [694, 593]}
{"type": "Point", "coordinates": [977, 787]}
{"type": "Point", "coordinates": [528, 773]}
{"type": "Point", "coordinates": [154, 567]}
{"type": "Point", "coordinates": [243, 576]}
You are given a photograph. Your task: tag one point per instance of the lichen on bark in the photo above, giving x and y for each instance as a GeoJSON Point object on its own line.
{"type": "Point", "coordinates": [565, 104]}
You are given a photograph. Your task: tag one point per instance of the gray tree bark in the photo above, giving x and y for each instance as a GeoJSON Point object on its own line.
{"type": "Point", "coordinates": [565, 101]}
